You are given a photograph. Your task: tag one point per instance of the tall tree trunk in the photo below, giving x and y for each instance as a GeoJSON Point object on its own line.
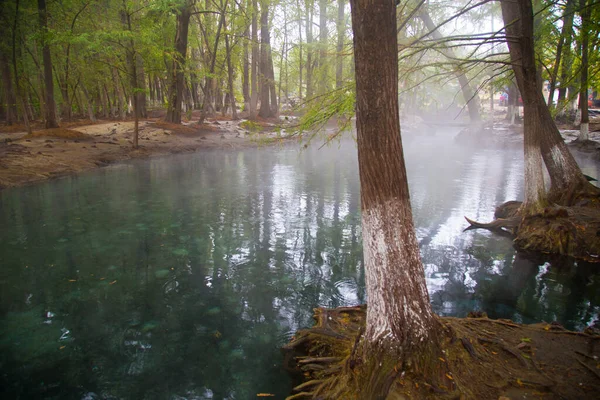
{"type": "Point", "coordinates": [90, 105]}
{"type": "Point", "coordinates": [309, 49]}
{"type": "Point", "coordinates": [471, 98]}
{"type": "Point", "coordinates": [583, 92]}
{"type": "Point", "coordinates": [9, 93]}
{"type": "Point", "coordinates": [177, 76]}
{"type": "Point", "coordinates": [400, 323]}
{"type": "Point", "coordinates": [50, 105]}
{"type": "Point", "coordinates": [230, 79]}
{"type": "Point", "coordinates": [265, 106]}
{"type": "Point", "coordinates": [141, 82]}
{"type": "Point", "coordinates": [567, 25]}
{"type": "Point", "coordinates": [19, 95]}
{"type": "Point", "coordinates": [132, 63]}
{"type": "Point", "coordinates": [322, 46]}
{"type": "Point", "coordinates": [567, 61]}
{"type": "Point", "coordinates": [254, 65]}
{"type": "Point", "coordinates": [300, 64]}
{"type": "Point", "coordinates": [272, 88]}
{"type": "Point", "coordinates": [210, 81]}
{"type": "Point", "coordinates": [339, 59]}
{"type": "Point", "coordinates": [246, 70]}
{"type": "Point", "coordinates": [539, 128]}
{"type": "Point", "coordinates": [106, 101]}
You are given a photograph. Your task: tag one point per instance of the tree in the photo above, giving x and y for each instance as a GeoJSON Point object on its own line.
{"type": "Point", "coordinates": [341, 29]}
{"type": "Point", "coordinates": [567, 28]}
{"type": "Point", "coordinates": [267, 98]}
{"type": "Point", "coordinates": [583, 91]}
{"type": "Point", "coordinates": [184, 12]}
{"type": "Point", "coordinates": [48, 80]}
{"type": "Point", "coordinates": [401, 326]}
{"type": "Point", "coordinates": [541, 135]}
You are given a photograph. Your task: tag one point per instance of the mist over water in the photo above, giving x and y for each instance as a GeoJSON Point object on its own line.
{"type": "Point", "coordinates": [180, 277]}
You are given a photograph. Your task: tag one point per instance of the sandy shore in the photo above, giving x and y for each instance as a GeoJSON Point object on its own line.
{"type": "Point", "coordinates": [46, 154]}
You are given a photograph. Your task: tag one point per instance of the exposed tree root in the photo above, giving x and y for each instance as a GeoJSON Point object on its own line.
{"type": "Point", "coordinates": [570, 231]}
{"type": "Point", "coordinates": [506, 349]}
{"type": "Point", "coordinates": [472, 369]}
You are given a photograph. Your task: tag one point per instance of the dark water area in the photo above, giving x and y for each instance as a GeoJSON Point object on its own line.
{"type": "Point", "coordinates": [180, 277]}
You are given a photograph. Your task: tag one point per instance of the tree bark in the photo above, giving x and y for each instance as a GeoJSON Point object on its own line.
{"type": "Point", "coordinates": [539, 128]}
{"type": "Point", "coordinates": [400, 321]}
{"type": "Point", "coordinates": [177, 77]}
{"type": "Point", "coordinates": [90, 105]}
{"type": "Point", "coordinates": [309, 50]}
{"type": "Point", "coordinates": [322, 46]}
{"type": "Point", "coordinates": [209, 93]}
{"type": "Point", "coordinates": [230, 80]}
{"type": "Point", "coordinates": [339, 59]}
{"type": "Point", "coordinates": [254, 65]}
{"type": "Point", "coordinates": [583, 91]}
{"type": "Point", "coordinates": [300, 46]}
{"type": "Point", "coordinates": [19, 95]}
{"type": "Point", "coordinates": [567, 61]}
{"type": "Point", "coordinates": [50, 105]}
{"type": "Point", "coordinates": [272, 88]}
{"type": "Point", "coordinates": [246, 71]}
{"type": "Point", "coordinates": [265, 49]}
{"type": "Point", "coordinates": [9, 93]}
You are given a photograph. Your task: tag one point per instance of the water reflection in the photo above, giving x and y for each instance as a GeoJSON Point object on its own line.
{"type": "Point", "coordinates": [181, 277]}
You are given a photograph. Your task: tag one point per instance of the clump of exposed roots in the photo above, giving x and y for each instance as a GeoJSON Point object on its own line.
{"type": "Point", "coordinates": [570, 231]}
{"type": "Point", "coordinates": [484, 359]}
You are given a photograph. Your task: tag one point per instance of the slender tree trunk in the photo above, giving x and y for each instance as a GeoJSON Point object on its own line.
{"type": "Point", "coordinates": [50, 105]}
{"type": "Point", "coordinates": [567, 25]}
{"type": "Point", "coordinates": [254, 65]}
{"type": "Point", "coordinates": [400, 323]}
{"type": "Point", "coordinates": [300, 46]}
{"type": "Point", "coordinates": [177, 77]}
{"type": "Point", "coordinates": [272, 88]}
{"type": "Point", "coordinates": [230, 79]}
{"type": "Point", "coordinates": [19, 95]}
{"type": "Point", "coordinates": [133, 77]}
{"type": "Point", "coordinates": [309, 49]}
{"type": "Point", "coordinates": [246, 70]}
{"type": "Point", "coordinates": [583, 92]}
{"type": "Point", "coordinates": [9, 93]}
{"type": "Point", "coordinates": [322, 68]}
{"type": "Point", "coordinates": [90, 105]}
{"type": "Point", "coordinates": [210, 81]}
{"type": "Point", "coordinates": [265, 106]}
{"type": "Point", "coordinates": [107, 104]}
{"type": "Point", "coordinates": [567, 61]}
{"type": "Point", "coordinates": [341, 29]}
{"type": "Point", "coordinates": [141, 82]}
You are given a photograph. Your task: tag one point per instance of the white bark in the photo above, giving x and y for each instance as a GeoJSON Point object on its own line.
{"type": "Point", "coordinates": [584, 131]}
{"type": "Point", "coordinates": [393, 273]}
{"type": "Point", "coordinates": [534, 177]}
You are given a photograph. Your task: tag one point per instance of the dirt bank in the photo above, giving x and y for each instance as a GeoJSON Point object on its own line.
{"type": "Point", "coordinates": [485, 359]}
{"type": "Point", "coordinates": [76, 147]}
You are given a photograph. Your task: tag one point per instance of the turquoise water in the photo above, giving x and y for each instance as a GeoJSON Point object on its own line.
{"type": "Point", "coordinates": [181, 277]}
